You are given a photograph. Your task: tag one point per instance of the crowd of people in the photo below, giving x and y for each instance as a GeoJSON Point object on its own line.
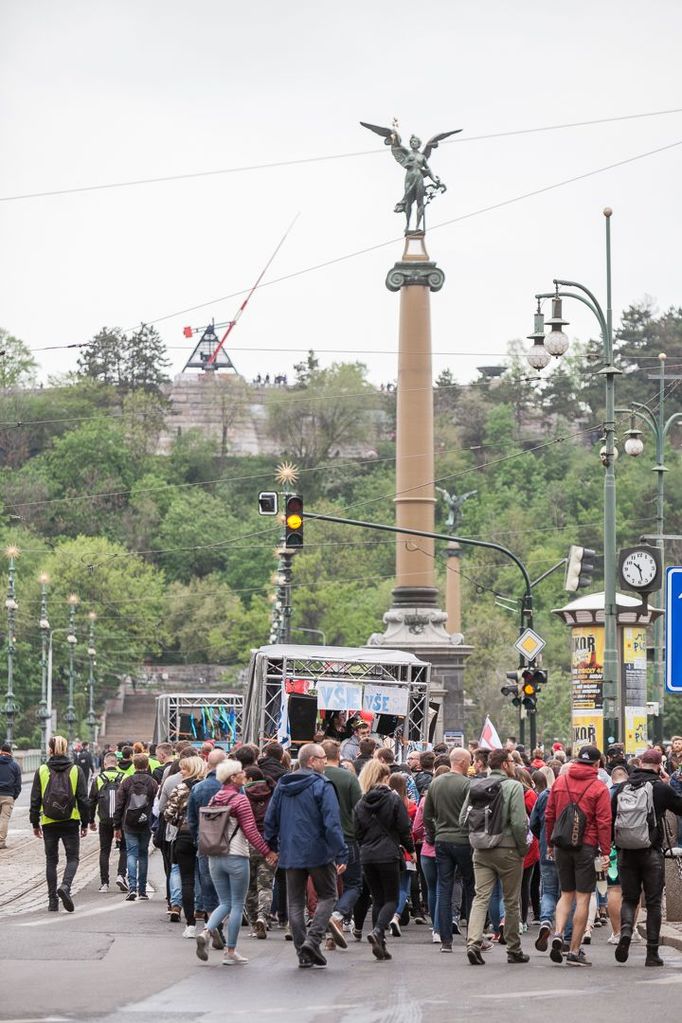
{"type": "Point", "coordinates": [343, 842]}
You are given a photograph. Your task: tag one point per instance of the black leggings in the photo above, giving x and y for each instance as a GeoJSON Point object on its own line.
{"type": "Point", "coordinates": [384, 884]}
{"type": "Point", "coordinates": [526, 892]}
{"type": "Point", "coordinates": [185, 855]}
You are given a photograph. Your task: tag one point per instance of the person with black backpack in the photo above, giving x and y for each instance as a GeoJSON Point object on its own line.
{"type": "Point", "coordinates": [132, 819]}
{"type": "Point", "coordinates": [103, 792]}
{"type": "Point", "coordinates": [59, 812]}
{"type": "Point", "coordinates": [85, 760]}
{"type": "Point", "coordinates": [494, 813]}
{"type": "Point", "coordinates": [638, 808]}
{"type": "Point", "coordinates": [578, 829]}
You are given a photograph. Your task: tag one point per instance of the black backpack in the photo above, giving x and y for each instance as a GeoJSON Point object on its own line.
{"type": "Point", "coordinates": [59, 799]}
{"type": "Point", "coordinates": [485, 816]}
{"type": "Point", "coordinates": [569, 827]}
{"type": "Point", "coordinates": [106, 796]}
{"type": "Point", "coordinates": [83, 761]}
{"type": "Point", "coordinates": [138, 813]}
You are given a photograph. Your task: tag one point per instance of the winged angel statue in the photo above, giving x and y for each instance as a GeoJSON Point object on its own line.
{"type": "Point", "coordinates": [416, 169]}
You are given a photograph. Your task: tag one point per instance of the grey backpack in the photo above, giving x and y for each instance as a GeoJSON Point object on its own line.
{"type": "Point", "coordinates": [635, 817]}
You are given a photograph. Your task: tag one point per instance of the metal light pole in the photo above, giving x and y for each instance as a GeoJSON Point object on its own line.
{"type": "Point", "coordinates": [555, 344]}
{"type": "Point", "coordinates": [660, 427]}
{"type": "Point", "coordinates": [12, 607]}
{"type": "Point", "coordinates": [70, 716]}
{"type": "Point", "coordinates": [44, 710]}
{"type": "Point", "coordinates": [92, 717]}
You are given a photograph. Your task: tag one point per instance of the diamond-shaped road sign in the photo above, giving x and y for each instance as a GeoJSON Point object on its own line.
{"type": "Point", "coordinates": [529, 644]}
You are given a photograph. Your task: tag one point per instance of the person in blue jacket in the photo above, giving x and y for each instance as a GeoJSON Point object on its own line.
{"type": "Point", "coordinates": [303, 824]}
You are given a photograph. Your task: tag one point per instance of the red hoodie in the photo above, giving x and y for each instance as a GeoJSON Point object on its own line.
{"type": "Point", "coordinates": [582, 785]}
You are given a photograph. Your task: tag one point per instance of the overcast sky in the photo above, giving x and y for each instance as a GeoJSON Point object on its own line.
{"type": "Point", "coordinates": [94, 92]}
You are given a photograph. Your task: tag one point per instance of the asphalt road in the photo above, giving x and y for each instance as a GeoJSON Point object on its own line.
{"type": "Point", "coordinates": [112, 960]}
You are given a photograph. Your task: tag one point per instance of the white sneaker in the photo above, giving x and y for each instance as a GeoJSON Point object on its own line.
{"type": "Point", "coordinates": [435, 937]}
{"type": "Point", "coordinates": [636, 936]}
{"type": "Point", "coordinates": [103, 888]}
{"type": "Point", "coordinates": [190, 931]}
{"type": "Point", "coordinates": [122, 883]}
{"type": "Point", "coordinates": [234, 959]}
{"type": "Point", "coordinates": [613, 939]}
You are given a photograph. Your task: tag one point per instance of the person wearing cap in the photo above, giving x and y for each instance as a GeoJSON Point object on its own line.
{"type": "Point", "coordinates": [642, 870]}
{"type": "Point", "coordinates": [10, 789]}
{"type": "Point", "coordinates": [576, 867]}
{"type": "Point", "coordinates": [350, 749]}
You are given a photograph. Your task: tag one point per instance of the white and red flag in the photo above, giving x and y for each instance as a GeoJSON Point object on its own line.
{"type": "Point", "coordinates": [489, 737]}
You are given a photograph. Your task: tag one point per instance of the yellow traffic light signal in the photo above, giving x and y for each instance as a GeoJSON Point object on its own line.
{"type": "Point", "coordinates": [293, 521]}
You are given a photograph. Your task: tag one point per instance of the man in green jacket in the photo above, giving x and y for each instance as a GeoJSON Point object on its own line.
{"type": "Point", "coordinates": [500, 847]}
{"type": "Point", "coordinates": [445, 798]}
{"type": "Point", "coordinates": [348, 793]}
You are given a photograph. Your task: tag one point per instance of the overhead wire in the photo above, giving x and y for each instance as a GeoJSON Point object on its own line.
{"type": "Point", "coordinates": [277, 164]}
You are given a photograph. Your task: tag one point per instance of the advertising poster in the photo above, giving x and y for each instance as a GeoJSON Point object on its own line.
{"type": "Point", "coordinates": [634, 666]}
{"type": "Point", "coordinates": [588, 729]}
{"type": "Point", "coordinates": [587, 667]}
{"type": "Point", "coordinates": [635, 730]}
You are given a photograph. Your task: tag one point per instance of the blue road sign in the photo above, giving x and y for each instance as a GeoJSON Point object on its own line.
{"type": "Point", "coordinates": [673, 630]}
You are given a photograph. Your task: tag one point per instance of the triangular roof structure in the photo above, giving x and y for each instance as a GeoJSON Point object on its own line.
{"type": "Point", "coordinates": [200, 357]}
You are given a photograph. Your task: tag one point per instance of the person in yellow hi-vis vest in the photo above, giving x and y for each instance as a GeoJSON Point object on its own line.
{"type": "Point", "coordinates": [59, 811]}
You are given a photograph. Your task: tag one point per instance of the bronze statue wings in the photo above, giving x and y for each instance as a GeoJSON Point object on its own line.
{"type": "Point", "coordinates": [433, 142]}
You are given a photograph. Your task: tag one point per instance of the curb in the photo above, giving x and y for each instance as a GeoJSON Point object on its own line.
{"type": "Point", "coordinates": [670, 936]}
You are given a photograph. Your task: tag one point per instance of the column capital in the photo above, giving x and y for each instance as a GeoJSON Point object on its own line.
{"type": "Point", "coordinates": [423, 273]}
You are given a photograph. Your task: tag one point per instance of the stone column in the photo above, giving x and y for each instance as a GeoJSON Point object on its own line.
{"type": "Point", "coordinates": [415, 622]}
{"type": "Point", "coordinates": [453, 599]}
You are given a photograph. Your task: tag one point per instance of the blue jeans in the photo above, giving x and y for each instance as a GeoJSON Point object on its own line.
{"type": "Point", "coordinates": [230, 876]}
{"type": "Point", "coordinates": [549, 891]}
{"type": "Point", "coordinates": [449, 857]}
{"type": "Point", "coordinates": [404, 890]}
{"type": "Point", "coordinates": [496, 907]}
{"type": "Point", "coordinates": [352, 880]}
{"type": "Point", "coordinates": [175, 886]}
{"type": "Point", "coordinates": [430, 871]}
{"type": "Point", "coordinates": [137, 847]}
{"type": "Point", "coordinates": [207, 897]}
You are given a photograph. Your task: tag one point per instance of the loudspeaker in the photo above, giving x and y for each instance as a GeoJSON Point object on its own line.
{"type": "Point", "coordinates": [302, 717]}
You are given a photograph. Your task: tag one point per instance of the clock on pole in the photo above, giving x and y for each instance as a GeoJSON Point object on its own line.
{"type": "Point", "coordinates": [639, 568]}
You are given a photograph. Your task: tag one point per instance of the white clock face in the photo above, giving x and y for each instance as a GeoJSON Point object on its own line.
{"type": "Point", "coordinates": [639, 569]}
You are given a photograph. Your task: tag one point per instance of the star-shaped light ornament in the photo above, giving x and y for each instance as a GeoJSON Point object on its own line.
{"type": "Point", "coordinates": [287, 473]}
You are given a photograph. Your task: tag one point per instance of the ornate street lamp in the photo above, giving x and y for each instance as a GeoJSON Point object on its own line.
{"type": "Point", "coordinates": [11, 606]}
{"type": "Point", "coordinates": [614, 700]}
{"type": "Point", "coordinates": [70, 716]}
{"type": "Point", "coordinates": [44, 711]}
{"type": "Point", "coordinates": [92, 717]}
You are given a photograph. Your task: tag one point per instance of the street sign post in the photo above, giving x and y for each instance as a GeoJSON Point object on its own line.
{"type": "Point", "coordinates": [673, 630]}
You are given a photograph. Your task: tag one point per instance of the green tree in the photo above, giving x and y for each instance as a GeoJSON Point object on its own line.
{"type": "Point", "coordinates": [17, 365]}
{"type": "Point", "coordinates": [146, 360]}
{"type": "Point", "coordinates": [104, 358]}
{"type": "Point", "coordinates": [333, 412]}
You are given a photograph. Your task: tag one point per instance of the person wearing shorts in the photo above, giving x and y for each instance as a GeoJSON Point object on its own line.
{"type": "Point", "coordinates": [576, 867]}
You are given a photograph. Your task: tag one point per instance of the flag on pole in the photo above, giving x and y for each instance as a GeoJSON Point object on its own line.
{"type": "Point", "coordinates": [489, 737]}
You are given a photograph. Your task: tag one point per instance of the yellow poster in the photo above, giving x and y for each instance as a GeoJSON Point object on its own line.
{"type": "Point", "coordinates": [635, 730]}
{"type": "Point", "coordinates": [588, 729]}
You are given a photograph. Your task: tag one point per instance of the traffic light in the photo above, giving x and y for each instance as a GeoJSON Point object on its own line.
{"type": "Point", "coordinates": [293, 521]}
{"type": "Point", "coordinates": [267, 503]}
{"type": "Point", "coordinates": [532, 680]}
{"type": "Point", "coordinates": [579, 568]}
{"type": "Point", "coordinates": [513, 687]}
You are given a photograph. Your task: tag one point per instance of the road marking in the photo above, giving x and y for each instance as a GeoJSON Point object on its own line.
{"type": "Point", "coordinates": [670, 979]}
{"type": "Point", "coordinates": [547, 993]}
{"type": "Point", "coordinates": [78, 915]}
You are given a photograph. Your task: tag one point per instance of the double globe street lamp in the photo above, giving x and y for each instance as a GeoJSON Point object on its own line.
{"type": "Point", "coordinates": [540, 353]}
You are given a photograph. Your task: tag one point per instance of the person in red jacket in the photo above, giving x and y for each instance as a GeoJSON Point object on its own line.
{"type": "Point", "coordinates": [576, 867]}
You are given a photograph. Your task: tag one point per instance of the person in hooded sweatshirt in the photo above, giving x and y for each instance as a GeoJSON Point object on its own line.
{"type": "Point", "coordinates": [382, 826]}
{"type": "Point", "coordinates": [258, 790]}
{"type": "Point", "coordinates": [303, 824]}
{"type": "Point", "coordinates": [59, 812]}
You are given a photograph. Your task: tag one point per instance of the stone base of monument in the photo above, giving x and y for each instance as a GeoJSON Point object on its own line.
{"type": "Point", "coordinates": [421, 631]}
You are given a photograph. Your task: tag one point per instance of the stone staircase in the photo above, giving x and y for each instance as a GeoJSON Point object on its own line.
{"type": "Point", "coordinates": [135, 721]}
